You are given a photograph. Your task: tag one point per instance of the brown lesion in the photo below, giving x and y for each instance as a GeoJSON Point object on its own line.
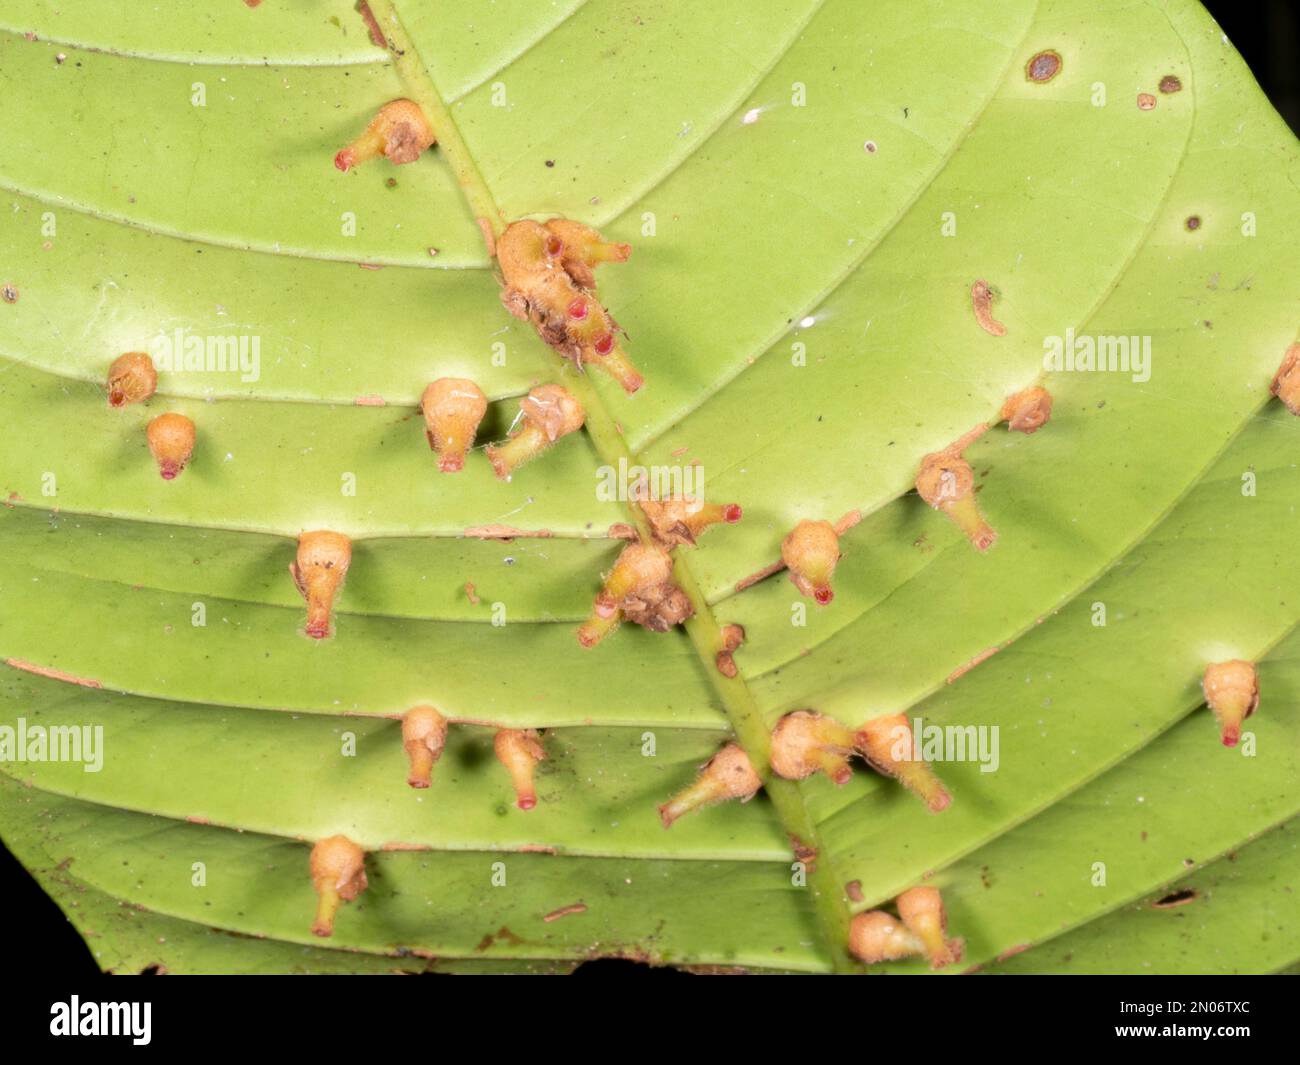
{"type": "Point", "coordinates": [1286, 382]}
{"type": "Point", "coordinates": [981, 298]}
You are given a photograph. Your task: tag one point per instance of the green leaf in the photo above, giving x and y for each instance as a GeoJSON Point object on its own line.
{"type": "Point", "coordinates": [811, 195]}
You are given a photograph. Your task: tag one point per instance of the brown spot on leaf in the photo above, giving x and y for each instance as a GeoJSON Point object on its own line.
{"type": "Point", "coordinates": [1169, 83]}
{"type": "Point", "coordinates": [489, 237]}
{"type": "Point", "coordinates": [853, 889]}
{"type": "Point", "coordinates": [8, 293]}
{"type": "Point", "coordinates": [53, 674]}
{"type": "Point", "coordinates": [565, 911]}
{"type": "Point", "coordinates": [470, 593]}
{"type": "Point", "coordinates": [1193, 223]}
{"type": "Point", "coordinates": [372, 24]}
{"type": "Point", "coordinates": [981, 298]}
{"type": "Point", "coordinates": [804, 853]}
{"type": "Point", "coordinates": [504, 532]}
{"type": "Point", "coordinates": [1146, 102]}
{"type": "Point", "coordinates": [962, 670]}
{"type": "Point", "coordinates": [1176, 898]}
{"type": "Point", "coordinates": [501, 935]}
{"type": "Point", "coordinates": [1044, 66]}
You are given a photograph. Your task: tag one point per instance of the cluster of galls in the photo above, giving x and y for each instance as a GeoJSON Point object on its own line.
{"type": "Point", "coordinates": [919, 930]}
{"type": "Point", "coordinates": [453, 407]}
{"type": "Point", "coordinates": [806, 742]}
{"type": "Point", "coordinates": [424, 736]}
{"type": "Point", "coordinates": [133, 379]}
{"type": "Point", "coordinates": [640, 588]}
{"type": "Point", "coordinates": [337, 864]}
{"type": "Point", "coordinates": [548, 279]}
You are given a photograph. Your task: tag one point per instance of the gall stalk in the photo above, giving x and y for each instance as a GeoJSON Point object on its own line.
{"type": "Point", "coordinates": [318, 571]}
{"type": "Point", "coordinates": [424, 735]}
{"type": "Point", "coordinates": [399, 132]}
{"type": "Point", "coordinates": [519, 750]}
{"type": "Point", "coordinates": [452, 408]}
{"type": "Point", "coordinates": [1232, 692]}
{"type": "Point", "coordinates": [338, 873]}
{"type": "Point", "coordinates": [547, 413]}
{"type": "Point", "coordinates": [727, 775]}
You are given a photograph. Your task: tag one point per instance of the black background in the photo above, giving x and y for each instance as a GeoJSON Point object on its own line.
{"type": "Point", "coordinates": [39, 939]}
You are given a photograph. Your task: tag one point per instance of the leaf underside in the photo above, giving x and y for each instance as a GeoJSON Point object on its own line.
{"type": "Point", "coordinates": [789, 175]}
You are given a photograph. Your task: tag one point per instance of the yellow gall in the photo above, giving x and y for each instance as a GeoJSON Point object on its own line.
{"type": "Point", "coordinates": [805, 742]}
{"type": "Point", "coordinates": [887, 743]}
{"type": "Point", "coordinates": [424, 734]}
{"type": "Point", "coordinates": [681, 521]}
{"type": "Point", "coordinates": [131, 379]}
{"type": "Point", "coordinates": [811, 552]}
{"type": "Point", "coordinates": [875, 937]}
{"type": "Point", "coordinates": [727, 775]}
{"type": "Point", "coordinates": [399, 132]}
{"type": "Point", "coordinates": [1027, 411]}
{"type": "Point", "coordinates": [452, 408]}
{"type": "Point", "coordinates": [640, 589]}
{"type": "Point", "coordinates": [947, 483]}
{"type": "Point", "coordinates": [171, 440]}
{"type": "Point", "coordinates": [519, 750]}
{"type": "Point", "coordinates": [921, 910]}
{"type": "Point", "coordinates": [547, 413]}
{"type": "Point", "coordinates": [338, 873]}
{"type": "Point", "coordinates": [318, 571]}
{"type": "Point", "coordinates": [1232, 693]}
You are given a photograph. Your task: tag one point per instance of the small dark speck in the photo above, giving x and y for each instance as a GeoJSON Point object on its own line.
{"type": "Point", "coordinates": [550, 162]}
